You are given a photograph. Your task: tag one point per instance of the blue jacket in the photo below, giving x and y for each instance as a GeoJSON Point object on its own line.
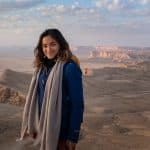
{"type": "Point", "coordinates": [72, 100]}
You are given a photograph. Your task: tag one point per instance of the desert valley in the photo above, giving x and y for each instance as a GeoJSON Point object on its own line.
{"type": "Point", "coordinates": [116, 82]}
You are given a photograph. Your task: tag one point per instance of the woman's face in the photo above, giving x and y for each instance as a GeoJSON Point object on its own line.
{"type": "Point", "coordinates": [50, 47]}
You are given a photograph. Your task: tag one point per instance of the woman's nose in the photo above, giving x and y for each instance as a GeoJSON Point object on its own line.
{"type": "Point", "coordinates": [48, 48]}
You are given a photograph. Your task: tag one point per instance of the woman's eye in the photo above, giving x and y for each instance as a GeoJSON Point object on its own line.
{"type": "Point", "coordinates": [53, 44]}
{"type": "Point", "coordinates": [45, 46]}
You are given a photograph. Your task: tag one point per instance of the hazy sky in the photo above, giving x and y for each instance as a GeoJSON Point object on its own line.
{"type": "Point", "coordinates": [83, 22]}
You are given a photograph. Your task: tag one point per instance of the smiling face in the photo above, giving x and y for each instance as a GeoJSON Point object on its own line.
{"type": "Point", "coordinates": [50, 47]}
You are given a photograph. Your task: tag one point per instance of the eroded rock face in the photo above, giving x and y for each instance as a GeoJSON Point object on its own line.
{"type": "Point", "coordinates": [144, 65]}
{"type": "Point", "coordinates": [114, 55]}
{"type": "Point", "coordinates": [10, 96]}
{"type": "Point", "coordinates": [19, 81]}
{"type": "Point", "coordinates": [121, 54]}
{"type": "Point", "coordinates": [14, 86]}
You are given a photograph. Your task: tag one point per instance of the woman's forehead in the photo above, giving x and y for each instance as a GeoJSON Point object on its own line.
{"type": "Point", "coordinates": [48, 39]}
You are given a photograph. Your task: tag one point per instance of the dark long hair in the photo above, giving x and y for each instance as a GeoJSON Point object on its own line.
{"type": "Point", "coordinates": [64, 53]}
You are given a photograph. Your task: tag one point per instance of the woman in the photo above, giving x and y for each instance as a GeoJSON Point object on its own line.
{"type": "Point", "coordinates": [54, 106]}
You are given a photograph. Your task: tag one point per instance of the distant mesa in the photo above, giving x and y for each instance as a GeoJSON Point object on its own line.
{"type": "Point", "coordinates": [73, 48]}
{"type": "Point", "coordinates": [120, 54]}
{"type": "Point", "coordinates": [114, 53]}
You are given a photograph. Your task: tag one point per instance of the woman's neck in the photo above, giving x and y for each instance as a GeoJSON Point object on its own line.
{"type": "Point", "coordinates": [50, 62]}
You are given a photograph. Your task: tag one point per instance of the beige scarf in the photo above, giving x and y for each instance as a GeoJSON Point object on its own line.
{"type": "Point", "coordinates": [48, 125]}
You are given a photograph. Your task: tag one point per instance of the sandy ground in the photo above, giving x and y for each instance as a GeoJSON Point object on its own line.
{"type": "Point", "coordinates": [9, 125]}
{"type": "Point", "coordinates": [117, 112]}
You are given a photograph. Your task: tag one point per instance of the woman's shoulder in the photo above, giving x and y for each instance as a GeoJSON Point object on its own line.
{"type": "Point", "coordinates": [71, 66]}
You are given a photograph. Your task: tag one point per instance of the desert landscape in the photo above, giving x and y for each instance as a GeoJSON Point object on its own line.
{"type": "Point", "coordinates": [116, 83]}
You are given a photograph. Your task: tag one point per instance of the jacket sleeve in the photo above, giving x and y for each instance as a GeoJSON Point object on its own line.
{"type": "Point", "coordinates": [75, 89]}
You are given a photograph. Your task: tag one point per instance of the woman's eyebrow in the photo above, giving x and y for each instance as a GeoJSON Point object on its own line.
{"type": "Point", "coordinates": [53, 42]}
{"type": "Point", "coordinates": [50, 43]}
{"type": "Point", "coordinates": [44, 44]}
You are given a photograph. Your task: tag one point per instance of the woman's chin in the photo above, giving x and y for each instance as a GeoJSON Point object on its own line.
{"type": "Point", "coordinates": [50, 57]}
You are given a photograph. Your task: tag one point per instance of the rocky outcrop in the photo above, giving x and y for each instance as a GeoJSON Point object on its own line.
{"type": "Point", "coordinates": [19, 81]}
{"type": "Point", "coordinates": [87, 71]}
{"type": "Point", "coordinates": [13, 87]}
{"type": "Point", "coordinates": [10, 96]}
{"type": "Point", "coordinates": [145, 65]}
